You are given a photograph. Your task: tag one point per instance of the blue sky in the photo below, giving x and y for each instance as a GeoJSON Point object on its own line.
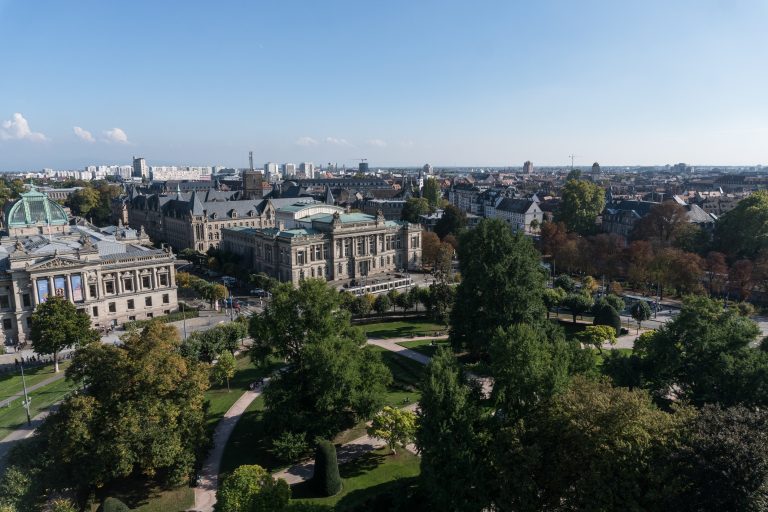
{"type": "Point", "coordinates": [396, 82]}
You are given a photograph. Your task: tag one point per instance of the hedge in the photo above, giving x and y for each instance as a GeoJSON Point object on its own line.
{"type": "Point", "coordinates": [326, 479]}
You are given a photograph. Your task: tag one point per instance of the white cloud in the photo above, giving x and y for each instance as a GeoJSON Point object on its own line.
{"type": "Point", "coordinates": [116, 135]}
{"type": "Point", "coordinates": [377, 142]}
{"type": "Point", "coordinates": [306, 141]}
{"type": "Point", "coordinates": [83, 134]}
{"type": "Point", "coordinates": [337, 142]}
{"type": "Point", "coordinates": [18, 128]}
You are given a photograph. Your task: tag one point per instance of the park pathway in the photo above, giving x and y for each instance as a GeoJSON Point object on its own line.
{"type": "Point", "coordinates": [22, 433]}
{"type": "Point", "coordinates": [208, 483]}
{"type": "Point", "coordinates": [30, 389]}
{"type": "Point", "coordinates": [349, 451]}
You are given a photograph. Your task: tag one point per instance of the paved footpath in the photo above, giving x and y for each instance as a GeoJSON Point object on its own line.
{"type": "Point", "coordinates": [20, 434]}
{"type": "Point", "coordinates": [208, 484]}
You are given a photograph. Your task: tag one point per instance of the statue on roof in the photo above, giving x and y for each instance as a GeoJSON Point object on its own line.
{"type": "Point", "coordinates": [19, 246]}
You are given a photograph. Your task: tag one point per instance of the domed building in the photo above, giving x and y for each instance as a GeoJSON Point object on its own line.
{"type": "Point", "coordinates": [112, 274]}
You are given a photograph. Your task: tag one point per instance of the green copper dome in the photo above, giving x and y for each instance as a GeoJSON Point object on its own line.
{"type": "Point", "coordinates": [34, 208]}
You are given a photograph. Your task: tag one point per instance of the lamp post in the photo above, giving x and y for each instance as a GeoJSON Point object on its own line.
{"type": "Point", "coordinates": [27, 401]}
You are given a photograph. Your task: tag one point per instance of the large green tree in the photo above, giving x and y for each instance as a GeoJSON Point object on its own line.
{"type": "Point", "coordinates": [332, 376]}
{"type": "Point", "coordinates": [705, 355]}
{"type": "Point", "coordinates": [452, 222]}
{"type": "Point", "coordinates": [57, 325]}
{"type": "Point", "coordinates": [252, 489]}
{"type": "Point", "coordinates": [582, 202]}
{"type": "Point", "coordinates": [451, 438]}
{"type": "Point", "coordinates": [743, 231]}
{"type": "Point", "coordinates": [414, 207]}
{"type": "Point", "coordinates": [592, 447]}
{"type": "Point", "coordinates": [722, 462]}
{"type": "Point", "coordinates": [502, 284]}
{"type": "Point", "coordinates": [141, 413]}
{"type": "Point", "coordinates": [431, 192]}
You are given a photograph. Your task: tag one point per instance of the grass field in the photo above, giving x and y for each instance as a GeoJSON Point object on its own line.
{"type": "Point", "coordinates": [14, 416]}
{"type": "Point", "coordinates": [220, 400]}
{"type": "Point", "coordinates": [10, 384]}
{"type": "Point", "coordinates": [402, 329]}
{"type": "Point", "coordinates": [363, 478]}
{"type": "Point", "coordinates": [424, 346]}
{"type": "Point", "coordinates": [147, 497]}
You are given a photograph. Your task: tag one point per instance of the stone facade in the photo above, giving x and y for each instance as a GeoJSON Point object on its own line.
{"type": "Point", "coordinates": [332, 244]}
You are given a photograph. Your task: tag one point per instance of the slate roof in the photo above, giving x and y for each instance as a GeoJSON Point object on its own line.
{"type": "Point", "coordinates": [515, 205]}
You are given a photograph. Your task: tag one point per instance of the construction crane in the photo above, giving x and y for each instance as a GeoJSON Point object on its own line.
{"type": "Point", "coordinates": [360, 159]}
{"type": "Point", "coordinates": [572, 157]}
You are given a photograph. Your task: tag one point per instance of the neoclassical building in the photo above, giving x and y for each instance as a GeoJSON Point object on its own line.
{"type": "Point", "coordinates": [112, 274]}
{"type": "Point", "coordinates": [318, 240]}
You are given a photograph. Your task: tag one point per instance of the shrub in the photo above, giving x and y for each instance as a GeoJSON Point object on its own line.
{"type": "Point", "coordinates": [114, 505]}
{"type": "Point", "coordinates": [326, 479]}
{"type": "Point", "coordinates": [290, 446]}
{"type": "Point", "coordinates": [607, 315]}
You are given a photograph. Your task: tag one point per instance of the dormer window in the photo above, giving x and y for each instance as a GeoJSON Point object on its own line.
{"type": "Point", "coordinates": [213, 216]}
{"type": "Point", "coordinates": [233, 214]}
{"type": "Point", "coordinates": [251, 213]}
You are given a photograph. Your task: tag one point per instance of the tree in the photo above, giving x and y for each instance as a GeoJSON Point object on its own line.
{"type": "Point", "coordinates": [361, 306]}
{"type": "Point", "coordinates": [252, 489]}
{"type": "Point", "coordinates": [413, 208]}
{"type": "Point", "coordinates": [444, 261]}
{"type": "Point", "coordinates": [224, 369]}
{"type": "Point", "coordinates": [452, 221]}
{"type": "Point", "coordinates": [57, 325]}
{"type": "Point", "coordinates": [589, 285]}
{"type": "Point", "coordinates": [431, 192]}
{"type": "Point", "coordinates": [597, 336]}
{"type": "Point", "coordinates": [553, 297]}
{"type": "Point", "coordinates": [290, 446]}
{"type": "Point", "coordinates": [663, 223]}
{"type": "Point", "coordinates": [640, 311]}
{"type": "Point", "coordinates": [183, 279]}
{"type": "Point", "coordinates": [141, 412]}
{"type": "Point", "coordinates": [439, 299]}
{"type": "Point", "coordinates": [450, 438]}
{"type": "Point", "coordinates": [568, 453]}
{"type": "Point", "coordinates": [333, 378]}
{"type": "Point", "coordinates": [740, 276]}
{"type": "Point", "coordinates": [614, 301]}
{"type": "Point", "coordinates": [605, 314]}
{"type": "Point", "coordinates": [394, 426]}
{"type": "Point", "coordinates": [62, 505]}
{"type": "Point", "coordinates": [382, 304]}
{"type": "Point", "coordinates": [705, 355]}
{"type": "Point", "coordinates": [578, 304]}
{"type": "Point", "coordinates": [326, 479]}
{"type": "Point", "coordinates": [565, 283]}
{"type": "Point", "coordinates": [582, 201]}
{"type": "Point", "coordinates": [502, 284]}
{"type": "Point", "coordinates": [83, 201]}
{"type": "Point", "coordinates": [722, 463]}
{"type": "Point", "coordinates": [743, 231]}
{"type": "Point", "coordinates": [430, 246]}
{"type": "Point", "coordinates": [527, 367]}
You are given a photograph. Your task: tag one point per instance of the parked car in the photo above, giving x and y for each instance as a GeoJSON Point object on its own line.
{"type": "Point", "coordinates": [258, 292]}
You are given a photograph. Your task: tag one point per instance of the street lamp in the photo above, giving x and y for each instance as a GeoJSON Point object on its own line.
{"type": "Point", "coordinates": [27, 401]}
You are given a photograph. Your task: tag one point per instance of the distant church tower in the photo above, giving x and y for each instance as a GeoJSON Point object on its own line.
{"type": "Point", "coordinates": [252, 182]}
{"type": "Point", "coordinates": [596, 172]}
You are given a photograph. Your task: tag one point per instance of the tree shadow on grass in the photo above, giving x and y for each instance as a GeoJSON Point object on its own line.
{"type": "Point", "coordinates": [397, 495]}
{"type": "Point", "coordinates": [361, 465]}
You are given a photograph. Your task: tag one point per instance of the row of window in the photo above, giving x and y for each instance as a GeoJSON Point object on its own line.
{"type": "Point", "coordinates": [130, 304]}
{"type": "Point", "coordinates": [146, 284]}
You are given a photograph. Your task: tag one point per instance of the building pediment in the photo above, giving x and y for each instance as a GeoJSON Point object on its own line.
{"type": "Point", "coordinates": [55, 262]}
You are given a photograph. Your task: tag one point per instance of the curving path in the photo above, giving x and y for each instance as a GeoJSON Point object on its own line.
{"type": "Point", "coordinates": [208, 483]}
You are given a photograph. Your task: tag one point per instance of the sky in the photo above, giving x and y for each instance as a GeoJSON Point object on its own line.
{"type": "Point", "coordinates": [400, 83]}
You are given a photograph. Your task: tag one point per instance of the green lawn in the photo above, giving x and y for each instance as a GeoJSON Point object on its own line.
{"type": "Point", "coordinates": [220, 400]}
{"type": "Point", "coordinates": [10, 383]}
{"type": "Point", "coordinates": [248, 443]}
{"type": "Point", "coordinates": [402, 329]}
{"type": "Point", "coordinates": [425, 346]}
{"type": "Point", "coordinates": [14, 416]}
{"type": "Point", "coordinates": [362, 478]}
{"type": "Point", "coordinates": [147, 496]}
{"type": "Point", "coordinates": [406, 375]}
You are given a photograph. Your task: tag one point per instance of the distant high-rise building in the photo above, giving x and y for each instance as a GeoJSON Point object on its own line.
{"type": "Point", "coordinates": [362, 167]}
{"type": "Point", "coordinates": [596, 172]}
{"type": "Point", "coordinates": [528, 167]}
{"type": "Point", "coordinates": [270, 171]}
{"type": "Point", "coordinates": [252, 185]}
{"type": "Point", "coordinates": [307, 169]}
{"type": "Point", "coordinates": [427, 169]}
{"type": "Point", "coordinates": [140, 169]}
{"type": "Point", "coordinates": [289, 170]}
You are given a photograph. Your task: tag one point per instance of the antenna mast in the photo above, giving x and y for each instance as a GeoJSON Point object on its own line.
{"type": "Point", "coordinates": [250, 159]}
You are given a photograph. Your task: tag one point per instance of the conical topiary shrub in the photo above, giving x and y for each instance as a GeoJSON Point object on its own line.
{"type": "Point", "coordinates": [326, 479]}
{"type": "Point", "coordinates": [114, 505]}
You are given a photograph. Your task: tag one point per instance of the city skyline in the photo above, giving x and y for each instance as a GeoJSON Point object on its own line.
{"type": "Point", "coordinates": [482, 85]}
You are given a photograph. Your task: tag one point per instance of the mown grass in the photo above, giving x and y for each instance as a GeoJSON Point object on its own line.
{"type": "Point", "coordinates": [403, 329]}
{"type": "Point", "coordinates": [14, 416]}
{"type": "Point", "coordinates": [10, 383]}
{"type": "Point", "coordinates": [362, 478]}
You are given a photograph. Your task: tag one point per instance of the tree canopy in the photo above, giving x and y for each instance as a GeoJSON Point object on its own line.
{"type": "Point", "coordinates": [57, 325]}
{"type": "Point", "coordinates": [252, 489]}
{"type": "Point", "coordinates": [502, 284]}
{"type": "Point", "coordinates": [582, 202]}
{"type": "Point", "coordinates": [452, 221]}
{"type": "Point", "coordinates": [743, 231]}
